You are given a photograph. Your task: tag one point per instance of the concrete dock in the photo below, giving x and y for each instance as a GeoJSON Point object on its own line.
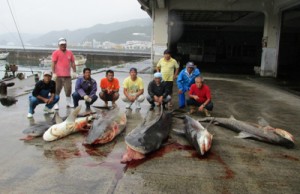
{"type": "Point", "coordinates": [232, 166]}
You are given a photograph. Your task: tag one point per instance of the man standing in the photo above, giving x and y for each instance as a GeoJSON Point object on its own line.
{"type": "Point", "coordinates": [40, 94]}
{"type": "Point", "coordinates": [85, 89]}
{"type": "Point", "coordinates": [184, 81]}
{"type": "Point", "coordinates": [166, 66]}
{"type": "Point", "coordinates": [200, 97]}
{"type": "Point", "coordinates": [133, 89]}
{"type": "Point", "coordinates": [158, 91]}
{"type": "Point", "coordinates": [62, 62]}
{"type": "Point", "coordinates": [109, 88]}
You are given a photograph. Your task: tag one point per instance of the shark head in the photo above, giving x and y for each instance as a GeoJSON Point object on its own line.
{"type": "Point", "coordinates": [204, 141]}
{"type": "Point", "coordinates": [289, 138]}
{"type": "Point", "coordinates": [105, 130]}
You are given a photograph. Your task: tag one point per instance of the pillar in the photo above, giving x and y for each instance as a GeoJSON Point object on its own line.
{"type": "Point", "coordinates": [270, 44]}
{"type": "Point", "coordinates": [160, 34]}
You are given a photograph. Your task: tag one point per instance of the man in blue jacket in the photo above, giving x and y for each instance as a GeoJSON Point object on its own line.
{"type": "Point", "coordinates": [85, 89]}
{"type": "Point", "coordinates": [184, 81]}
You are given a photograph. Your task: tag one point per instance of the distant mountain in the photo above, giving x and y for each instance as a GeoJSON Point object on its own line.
{"type": "Point", "coordinates": [99, 30]}
{"type": "Point", "coordinates": [14, 37]}
{"type": "Point", "coordinates": [142, 33]}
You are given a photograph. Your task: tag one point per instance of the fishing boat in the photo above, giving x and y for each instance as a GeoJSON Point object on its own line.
{"type": "Point", "coordinates": [4, 55]}
{"type": "Point", "coordinates": [22, 78]}
{"type": "Point", "coordinates": [12, 73]}
{"type": "Point", "coordinates": [80, 60]}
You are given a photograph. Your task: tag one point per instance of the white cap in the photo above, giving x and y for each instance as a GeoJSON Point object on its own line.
{"type": "Point", "coordinates": [48, 73]}
{"type": "Point", "coordinates": [62, 41]}
{"type": "Point", "coordinates": [157, 75]}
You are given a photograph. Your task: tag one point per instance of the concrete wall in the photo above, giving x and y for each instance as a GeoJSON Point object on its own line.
{"type": "Point", "coordinates": [104, 58]}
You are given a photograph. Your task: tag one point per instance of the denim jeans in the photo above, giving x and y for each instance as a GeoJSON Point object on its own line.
{"type": "Point", "coordinates": [34, 101]}
{"type": "Point", "coordinates": [193, 102]}
{"type": "Point", "coordinates": [77, 97]}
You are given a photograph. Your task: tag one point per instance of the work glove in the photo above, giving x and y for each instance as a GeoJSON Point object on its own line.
{"type": "Point", "coordinates": [87, 98]}
{"type": "Point", "coordinates": [74, 75]}
{"type": "Point", "coordinates": [54, 76]}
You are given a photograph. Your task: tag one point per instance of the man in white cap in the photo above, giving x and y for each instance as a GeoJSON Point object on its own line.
{"type": "Point", "coordinates": [158, 91]}
{"type": "Point", "coordinates": [62, 63]}
{"type": "Point", "coordinates": [43, 92]}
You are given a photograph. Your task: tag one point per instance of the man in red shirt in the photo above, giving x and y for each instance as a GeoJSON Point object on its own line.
{"type": "Point", "coordinates": [200, 97]}
{"type": "Point", "coordinates": [62, 62]}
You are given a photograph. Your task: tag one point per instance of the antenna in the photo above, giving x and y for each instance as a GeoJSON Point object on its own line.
{"type": "Point", "coordinates": [16, 25]}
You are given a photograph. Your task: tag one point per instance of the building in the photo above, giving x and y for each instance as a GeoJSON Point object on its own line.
{"type": "Point", "coordinates": [229, 33]}
{"type": "Point", "coordinates": [137, 45]}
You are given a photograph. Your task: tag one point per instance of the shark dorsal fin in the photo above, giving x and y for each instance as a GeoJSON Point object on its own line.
{"type": "Point", "coordinates": [232, 117]}
{"type": "Point", "coordinates": [71, 118]}
{"type": "Point", "coordinates": [262, 122]}
{"type": "Point", "coordinates": [57, 118]}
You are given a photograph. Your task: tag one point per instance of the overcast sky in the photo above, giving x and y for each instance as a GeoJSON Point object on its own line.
{"type": "Point", "coordinates": [41, 16]}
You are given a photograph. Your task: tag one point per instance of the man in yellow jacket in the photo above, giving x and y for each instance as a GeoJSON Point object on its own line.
{"type": "Point", "coordinates": [167, 66]}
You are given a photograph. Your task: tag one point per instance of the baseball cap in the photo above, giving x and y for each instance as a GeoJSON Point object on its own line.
{"type": "Point", "coordinates": [190, 64]}
{"type": "Point", "coordinates": [48, 73]}
{"type": "Point", "coordinates": [62, 41]}
{"type": "Point", "coordinates": [157, 75]}
{"type": "Point", "coordinates": [133, 69]}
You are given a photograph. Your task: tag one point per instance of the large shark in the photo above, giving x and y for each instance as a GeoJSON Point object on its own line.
{"type": "Point", "coordinates": [197, 135]}
{"type": "Point", "coordinates": [147, 137]}
{"type": "Point", "coordinates": [38, 129]}
{"type": "Point", "coordinates": [262, 131]}
{"type": "Point", "coordinates": [70, 125]}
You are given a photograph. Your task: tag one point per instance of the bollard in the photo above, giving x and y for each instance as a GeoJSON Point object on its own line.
{"type": "Point", "coordinates": [36, 77]}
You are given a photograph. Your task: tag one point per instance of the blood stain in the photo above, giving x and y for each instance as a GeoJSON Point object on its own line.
{"type": "Point", "coordinates": [159, 153]}
{"type": "Point", "coordinates": [229, 174]}
{"type": "Point", "coordinates": [289, 157]}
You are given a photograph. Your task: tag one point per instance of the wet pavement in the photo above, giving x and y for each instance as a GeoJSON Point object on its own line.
{"type": "Point", "coordinates": [232, 166]}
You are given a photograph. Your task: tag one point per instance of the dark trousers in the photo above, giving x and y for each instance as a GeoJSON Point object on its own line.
{"type": "Point", "coordinates": [165, 100]}
{"type": "Point", "coordinates": [193, 102]}
{"type": "Point", "coordinates": [169, 85]}
{"type": "Point", "coordinates": [77, 97]}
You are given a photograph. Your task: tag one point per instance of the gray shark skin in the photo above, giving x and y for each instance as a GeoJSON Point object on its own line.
{"type": "Point", "coordinates": [106, 128]}
{"type": "Point", "coordinates": [37, 129]}
{"type": "Point", "coordinates": [148, 137]}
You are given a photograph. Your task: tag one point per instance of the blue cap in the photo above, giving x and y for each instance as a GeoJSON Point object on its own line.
{"type": "Point", "coordinates": [157, 75]}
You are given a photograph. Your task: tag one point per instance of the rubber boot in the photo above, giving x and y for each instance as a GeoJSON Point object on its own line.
{"type": "Point", "coordinates": [69, 102]}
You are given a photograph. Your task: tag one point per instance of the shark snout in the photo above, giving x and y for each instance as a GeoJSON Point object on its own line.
{"type": "Point", "coordinates": [205, 141]}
